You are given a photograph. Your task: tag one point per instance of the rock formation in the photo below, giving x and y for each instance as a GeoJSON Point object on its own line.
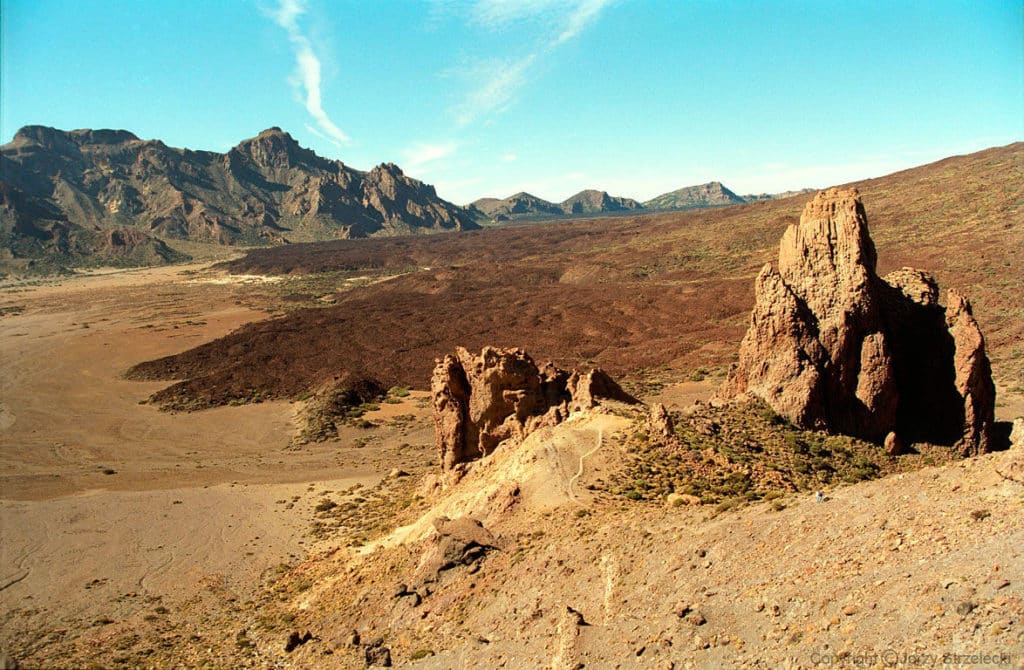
{"type": "Point", "coordinates": [833, 346]}
{"type": "Point", "coordinates": [480, 401]}
{"type": "Point", "coordinates": [659, 422]}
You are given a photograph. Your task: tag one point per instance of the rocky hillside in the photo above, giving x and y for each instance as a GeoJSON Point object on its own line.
{"type": "Point", "coordinates": [62, 193]}
{"type": "Point", "coordinates": [712, 194]}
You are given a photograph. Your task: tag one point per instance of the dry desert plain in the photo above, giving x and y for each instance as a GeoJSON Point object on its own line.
{"type": "Point", "coordinates": [112, 507]}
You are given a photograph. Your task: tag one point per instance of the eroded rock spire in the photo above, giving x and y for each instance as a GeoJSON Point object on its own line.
{"type": "Point", "coordinates": [832, 345]}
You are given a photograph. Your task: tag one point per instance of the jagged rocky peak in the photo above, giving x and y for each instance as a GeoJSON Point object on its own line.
{"type": "Point", "coordinates": [389, 168]}
{"type": "Point", "coordinates": [833, 346]}
{"type": "Point", "coordinates": [481, 401]}
{"type": "Point", "coordinates": [274, 148]}
{"type": "Point", "coordinates": [831, 240]}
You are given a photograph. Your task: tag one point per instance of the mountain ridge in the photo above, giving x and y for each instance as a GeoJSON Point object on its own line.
{"type": "Point", "coordinates": [526, 206]}
{"type": "Point", "coordinates": [61, 189]}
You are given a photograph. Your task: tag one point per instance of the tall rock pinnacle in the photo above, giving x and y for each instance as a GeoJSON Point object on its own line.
{"type": "Point", "coordinates": [833, 346]}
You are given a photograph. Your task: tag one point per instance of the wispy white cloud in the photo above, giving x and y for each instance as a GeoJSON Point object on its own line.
{"type": "Point", "coordinates": [307, 78]}
{"type": "Point", "coordinates": [584, 13]}
{"type": "Point", "coordinates": [497, 82]}
{"type": "Point", "coordinates": [494, 14]}
{"type": "Point", "coordinates": [509, 157]}
{"type": "Point", "coordinates": [568, 17]}
{"type": "Point", "coordinates": [420, 154]}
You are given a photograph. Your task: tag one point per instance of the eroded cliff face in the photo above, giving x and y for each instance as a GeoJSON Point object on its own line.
{"type": "Point", "coordinates": [481, 401]}
{"type": "Point", "coordinates": [831, 345]}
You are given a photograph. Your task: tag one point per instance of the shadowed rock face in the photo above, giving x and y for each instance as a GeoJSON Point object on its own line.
{"type": "Point", "coordinates": [481, 401]}
{"type": "Point", "coordinates": [833, 346]}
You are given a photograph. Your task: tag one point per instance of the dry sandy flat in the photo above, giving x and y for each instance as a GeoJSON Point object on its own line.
{"type": "Point", "coordinates": [109, 507]}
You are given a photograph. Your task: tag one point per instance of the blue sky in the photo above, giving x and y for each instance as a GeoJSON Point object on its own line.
{"type": "Point", "coordinates": [489, 97]}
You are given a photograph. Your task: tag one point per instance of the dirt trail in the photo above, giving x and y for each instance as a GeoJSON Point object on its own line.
{"type": "Point", "coordinates": [583, 458]}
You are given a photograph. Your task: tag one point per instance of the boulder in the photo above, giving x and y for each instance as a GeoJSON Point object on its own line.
{"type": "Point", "coordinates": [461, 541]}
{"type": "Point", "coordinates": [894, 446]}
{"type": "Point", "coordinates": [481, 401]}
{"type": "Point", "coordinates": [833, 346]}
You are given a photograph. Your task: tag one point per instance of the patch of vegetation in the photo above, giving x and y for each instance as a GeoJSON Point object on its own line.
{"type": "Point", "coordinates": [698, 375]}
{"type": "Point", "coordinates": [742, 453]}
{"type": "Point", "coordinates": [362, 514]}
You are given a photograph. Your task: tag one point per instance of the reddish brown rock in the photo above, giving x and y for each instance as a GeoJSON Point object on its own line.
{"type": "Point", "coordinates": [481, 401]}
{"type": "Point", "coordinates": [894, 446]}
{"type": "Point", "coordinates": [586, 390]}
{"type": "Point", "coordinates": [833, 346]}
{"type": "Point", "coordinates": [781, 360]}
{"type": "Point", "coordinates": [1017, 434]}
{"type": "Point", "coordinates": [659, 423]}
{"type": "Point", "coordinates": [973, 376]}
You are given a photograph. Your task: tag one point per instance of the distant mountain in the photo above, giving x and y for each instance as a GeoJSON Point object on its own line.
{"type": "Point", "coordinates": [591, 201]}
{"type": "Point", "coordinates": [761, 197]}
{"type": "Point", "coordinates": [97, 196]}
{"type": "Point", "coordinates": [520, 205]}
{"type": "Point", "coordinates": [526, 206]}
{"type": "Point", "coordinates": [712, 194]}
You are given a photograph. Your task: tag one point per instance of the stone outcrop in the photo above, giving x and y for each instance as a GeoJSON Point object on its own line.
{"type": "Point", "coordinates": [481, 401]}
{"type": "Point", "coordinates": [833, 346]}
{"type": "Point", "coordinates": [659, 421]}
{"type": "Point", "coordinates": [461, 541]}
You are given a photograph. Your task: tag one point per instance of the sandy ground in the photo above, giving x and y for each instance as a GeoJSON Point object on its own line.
{"type": "Point", "coordinates": [109, 507]}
